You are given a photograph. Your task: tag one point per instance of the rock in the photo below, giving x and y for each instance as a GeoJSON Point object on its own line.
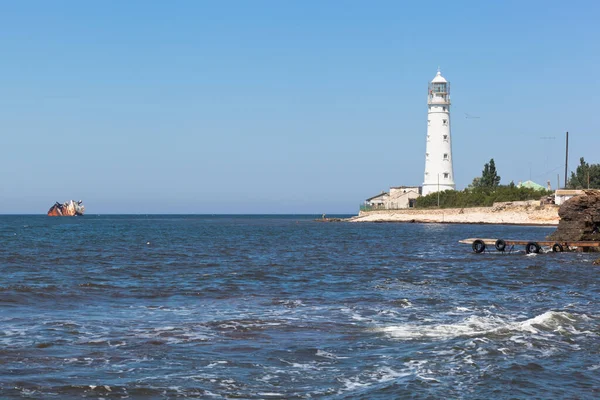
{"type": "Point", "coordinates": [579, 218]}
{"type": "Point", "coordinates": [67, 209]}
{"type": "Point", "coordinates": [597, 262]}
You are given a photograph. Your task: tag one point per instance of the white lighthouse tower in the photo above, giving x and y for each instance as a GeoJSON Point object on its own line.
{"type": "Point", "coordinates": [439, 175]}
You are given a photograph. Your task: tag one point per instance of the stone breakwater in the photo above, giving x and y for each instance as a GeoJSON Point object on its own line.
{"type": "Point", "coordinates": [515, 213]}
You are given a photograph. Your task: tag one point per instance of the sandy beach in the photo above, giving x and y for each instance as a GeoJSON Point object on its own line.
{"type": "Point", "coordinates": [515, 213]}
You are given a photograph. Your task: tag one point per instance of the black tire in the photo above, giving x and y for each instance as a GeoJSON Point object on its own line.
{"type": "Point", "coordinates": [532, 247]}
{"type": "Point", "coordinates": [500, 245]}
{"type": "Point", "coordinates": [557, 248]}
{"type": "Point", "coordinates": [478, 246]}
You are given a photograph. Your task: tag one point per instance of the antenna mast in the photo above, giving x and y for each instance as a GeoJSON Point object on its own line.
{"type": "Point", "coordinates": [566, 159]}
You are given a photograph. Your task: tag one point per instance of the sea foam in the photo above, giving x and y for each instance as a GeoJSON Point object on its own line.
{"type": "Point", "coordinates": [474, 326]}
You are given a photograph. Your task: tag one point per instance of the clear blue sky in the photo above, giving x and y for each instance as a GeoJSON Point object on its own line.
{"type": "Point", "coordinates": [281, 106]}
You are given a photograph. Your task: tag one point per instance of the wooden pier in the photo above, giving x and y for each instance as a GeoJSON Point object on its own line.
{"type": "Point", "coordinates": [479, 245]}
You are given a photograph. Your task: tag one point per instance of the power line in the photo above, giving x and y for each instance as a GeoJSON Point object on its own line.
{"type": "Point", "coordinates": [549, 171]}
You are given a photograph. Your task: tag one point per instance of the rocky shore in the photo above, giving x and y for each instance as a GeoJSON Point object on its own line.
{"type": "Point", "coordinates": [579, 218]}
{"type": "Point", "coordinates": [515, 213]}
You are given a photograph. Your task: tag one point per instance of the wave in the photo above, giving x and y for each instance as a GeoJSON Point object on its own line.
{"type": "Point", "coordinates": [474, 326]}
{"type": "Point", "coordinates": [103, 391]}
{"type": "Point", "coordinates": [97, 285]}
{"type": "Point", "coordinates": [29, 288]}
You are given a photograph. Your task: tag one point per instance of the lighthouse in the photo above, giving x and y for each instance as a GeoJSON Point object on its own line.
{"type": "Point", "coordinates": [439, 175]}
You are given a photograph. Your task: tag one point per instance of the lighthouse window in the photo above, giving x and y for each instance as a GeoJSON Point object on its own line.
{"type": "Point", "coordinates": [445, 156]}
{"type": "Point", "coordinates": [428, 122]}
{"type": "Point", "coordinates": [439, 87]}
{"type": "Point", "coordinates": [445, 121]}
{"type": "Point", "coordinates": [446, 175]}
{"type": "Point", "coordinates": [444, 108]}
{"type": "Point", "coordinates": [445, 137]}
{"type": "Point", "coordinates": [427, 155]}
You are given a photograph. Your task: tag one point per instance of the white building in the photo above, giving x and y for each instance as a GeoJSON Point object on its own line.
{"type": "Point", "coordinates": [398, 197]}
{"type": "Point", "coordinates": [378, 201]}
{"type": "Point", "coordinates": [562, 195]}
{"type": "Point", "coordinates": [439, 174]}
{"type": "Point", "coordinates": [403, 196]}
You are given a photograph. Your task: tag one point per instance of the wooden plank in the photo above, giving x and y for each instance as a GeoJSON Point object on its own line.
{"type": "Point", "coordinates": [471, 240]}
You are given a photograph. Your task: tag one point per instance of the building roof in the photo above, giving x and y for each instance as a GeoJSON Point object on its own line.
{"type": "Point", "coordinates": [406, 187]}
{"type": "Point", "coordinates": [439, 78]}
{"type": "Point", "coordinates": [379, 195]}
{"type": "Point", "coordinates": [531, 185]}
{"type": "Point", "coordinates": [568, 192]}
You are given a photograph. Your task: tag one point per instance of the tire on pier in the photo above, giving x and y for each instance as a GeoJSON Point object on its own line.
{"type": "Point", "coordinates": [557, 248]}
{"type": "Point", "coordinates": [478, 246]}
{"type": "Point", "coordinates": [500, 245]}
{"type": "Point", "coordinates": [532, 247]}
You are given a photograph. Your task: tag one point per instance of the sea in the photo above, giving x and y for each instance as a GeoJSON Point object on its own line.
{"type": "Point", "coordinates": [287, 307]}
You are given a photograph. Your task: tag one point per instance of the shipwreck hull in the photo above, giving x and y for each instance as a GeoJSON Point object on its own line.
{"type": "Point", "coordinates": [68, 209]}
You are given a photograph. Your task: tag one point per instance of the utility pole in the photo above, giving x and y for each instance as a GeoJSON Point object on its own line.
{"type": "Point", "coordinates": [567, 160]}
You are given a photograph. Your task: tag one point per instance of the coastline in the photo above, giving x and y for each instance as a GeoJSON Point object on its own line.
{"type": "Point", "coordinates": [509, 213]}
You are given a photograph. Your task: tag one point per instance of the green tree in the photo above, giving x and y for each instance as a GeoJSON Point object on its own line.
{"type": "Point", "coordinates": [475, 184]}
{"type": "Point", "coordinates": [489, 176]}
{"type": "Point", "coordinates": [585, 171]}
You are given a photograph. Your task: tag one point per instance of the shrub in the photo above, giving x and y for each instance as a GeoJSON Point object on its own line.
{"type": "Point", "coordinates": [479, 197]}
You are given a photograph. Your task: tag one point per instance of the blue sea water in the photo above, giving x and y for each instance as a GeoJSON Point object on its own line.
{"type": "Point", "coordinates": [283, 307]}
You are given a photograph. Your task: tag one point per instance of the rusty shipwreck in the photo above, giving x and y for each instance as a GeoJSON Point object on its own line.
{"type": "Point", "coordinates": [67, 209]}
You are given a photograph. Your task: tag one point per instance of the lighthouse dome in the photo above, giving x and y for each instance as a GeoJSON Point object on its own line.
{"type": "Point", "coordinates": [439, 78]}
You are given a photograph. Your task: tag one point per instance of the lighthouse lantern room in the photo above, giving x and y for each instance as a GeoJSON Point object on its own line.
{"type": "Point", "coordinates": [439, 174]}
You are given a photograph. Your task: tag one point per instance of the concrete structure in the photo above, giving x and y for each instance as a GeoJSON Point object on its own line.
{"type": "Point", "coordinates": [562, 195]}
{"type": "Point", "coordinates": [439, 174]}
{"type": "Point", "coordinates": [403, 196]}
{"type": "Point", "coordinates": [398, 198]}
{"type": "Point", "coordinates": [378, 201]}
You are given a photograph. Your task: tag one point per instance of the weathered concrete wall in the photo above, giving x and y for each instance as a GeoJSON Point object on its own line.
{"type": "Point", "coordinates": [400, 197]}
